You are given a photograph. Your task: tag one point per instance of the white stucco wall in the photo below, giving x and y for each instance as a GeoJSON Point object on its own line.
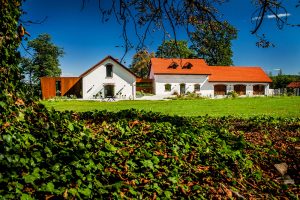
{"type": "Point", "coordinates": [94, 82]}
{"type": "Point", "coordinates": [206, 87]}
{"type": "Point", "coordinates": [209, 87]}
{"type": "Point", "coordinates": [175, 81]}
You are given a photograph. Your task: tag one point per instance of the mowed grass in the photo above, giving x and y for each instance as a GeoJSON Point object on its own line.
{"type": "Point", "coordinates": [244, 107]}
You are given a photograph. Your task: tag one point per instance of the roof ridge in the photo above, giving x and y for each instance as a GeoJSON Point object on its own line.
{"type": "Point", "coordinates": [101, 61]}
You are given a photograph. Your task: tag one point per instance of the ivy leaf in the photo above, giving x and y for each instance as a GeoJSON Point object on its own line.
{"type": "Point", "coordinates": [86, 191]}
{"type": "Point", "coordinates": [168, 194]}
{"type": "Point", "coordinates": [50, 187]}
{"type": "Point", "coordinates": [71, 127]}
{"type": "Point", "coordinates": [26, 197]}
{"type": "Point", "coordinates": [2, 104]}
{"type": "Point", "coordinates": [73, 191]}
{"type": "Point", "coordinates": [110, 147]}
{"type": "Point", "coordinates": [173, 179]}
{"type": "Point", "coordinates": [148, 164]}
{"type": "Point", "coordinates": [7, 138]}
{"type": "Point", "coordinates": [155, 160]}
{"type": "Point", "coordinates": [56, 167]}
{"type": "Point", "coordinates": [29, 178]}
{"type": "Point", "coordinates": [78, 173]}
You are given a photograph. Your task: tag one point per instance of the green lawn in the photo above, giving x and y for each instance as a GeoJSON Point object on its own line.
{"type": "Point", "coordinates": [244, 107]}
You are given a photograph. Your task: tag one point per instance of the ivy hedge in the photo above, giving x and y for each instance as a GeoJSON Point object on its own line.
{"type": "Point", "coordinates": [142, 155]}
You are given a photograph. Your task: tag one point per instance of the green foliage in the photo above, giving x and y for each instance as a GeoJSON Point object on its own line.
{"type": "Point", "coordinates": [174, 49]}
{"type": "Point", "coordinates": [281, 81]}
{"type": "Point", "coordinates": [212, 41]}
{"type": "Point", "coordinates": [140, 63]}
{"type": "Point", "coordinates": [188, 96]}
{"type": "Point", "coordinates": [11, 87]}
{"type": "Point", "coordinates": [135, 154]}
{"type": "Point", "coordinates": [44, 62]}
{"type": "Point", "coordinates": [232, 94]}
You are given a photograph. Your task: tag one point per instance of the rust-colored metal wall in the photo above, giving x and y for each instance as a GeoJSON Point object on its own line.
{"type": "Point", "coordinates": [145, 85]}
{"type": "Point", "coordinates": [68, 84]}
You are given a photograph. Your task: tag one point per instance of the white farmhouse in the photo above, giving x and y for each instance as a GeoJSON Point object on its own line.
{"type": "Point", "coordinates": [108, 78]}
{"type": "Point", "coordinates": [180, 76]}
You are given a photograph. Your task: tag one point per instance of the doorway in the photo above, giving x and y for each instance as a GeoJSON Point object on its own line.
{"type": "Point", "coordinates": [182, 88]}
{"type": "Point", "coordinates": [240, 89]}
{"type": "Point", "coordinates": [109, 91]}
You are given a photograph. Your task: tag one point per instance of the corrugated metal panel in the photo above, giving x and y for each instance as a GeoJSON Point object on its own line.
{"type": "Point", "coordinates": [48, 86]}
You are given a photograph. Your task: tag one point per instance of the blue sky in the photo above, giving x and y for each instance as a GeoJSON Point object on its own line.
{"type": "Point", "coordinates": [86, 40]}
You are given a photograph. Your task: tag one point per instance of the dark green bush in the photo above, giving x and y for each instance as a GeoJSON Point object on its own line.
{"type": "Point", "coordinates": [135, 154]}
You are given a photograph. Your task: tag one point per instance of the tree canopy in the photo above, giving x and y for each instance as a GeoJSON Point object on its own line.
{"type": "Point", "coordinates": [281, 81]}
{"type": "Point", "coordinates": [212, 41]}
{"type": "Point", "coordinates": [174, 49]}
{"type": "Point", "coordinates": [171, 15]}
{"type": "Point", "coordinates": [140, 63]}
{"type": "Point", "coordinates": [45, 59]}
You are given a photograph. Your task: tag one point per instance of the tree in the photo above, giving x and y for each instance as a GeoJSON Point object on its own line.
{"type": "Point", "coordinates": [11, 98]}
{"type": "Point", "coordinates": [140, 63]}
{"type": "Point", "coordinates": [174, 49]}
{"type": "Point", "coordinates": [170, 15]}
{"type": "Point", "coordinates": [212, 41]}
{"type": "Point", "coordinates": [45, 59]}
{"type": "Point", "coordinates": [281, 81]}
{"type": "Point", "coordinates": [44, 62]}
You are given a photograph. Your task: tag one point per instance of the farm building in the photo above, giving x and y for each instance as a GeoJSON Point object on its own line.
{"type": "Point", "coordinates": [109, 78]}
{"type": "Point", "coordinates": [194, 75]}
{"type": "Point", "coordinates": [296, 86]}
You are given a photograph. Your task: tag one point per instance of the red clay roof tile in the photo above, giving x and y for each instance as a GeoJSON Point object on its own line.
{"type": "Point", "coordinates": [161, 66]}
{"type": "Point", "coordinates": [238, 74]}
{"type": "Point", "coordinates": [294, 84]}
{"type": "Point", "coordinates": [216, 73]}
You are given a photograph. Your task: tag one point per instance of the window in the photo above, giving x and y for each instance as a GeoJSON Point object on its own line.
{"type": "Point", "coordinates": [187, 66]}
{"type": "Point", "coordinates": [109, 70]}
{"type": "Point", "coordinates": [173, 65]}
{"type": "Point", "coordinates": [168, 87]}
{"type": "Point", "coordinates": [58, 88]}
{"type": "Point", "coordinates": [196, 87]}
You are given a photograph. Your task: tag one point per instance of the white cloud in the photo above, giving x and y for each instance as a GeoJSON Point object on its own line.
{"type": "Point", "coordinates": [255, 18]}
{"type": "Point", "coordinates": [279, 15]}
{"type": "Point", "coordinates": [273, 16]}
{"type": "Point", "coordinates": [67, 74]}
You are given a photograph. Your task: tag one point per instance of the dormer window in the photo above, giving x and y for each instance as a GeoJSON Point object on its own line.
{"type": "Point", "coordinates": [109, 70]}
{"type": "Point", "coordinates": [187, 65]}
{"type": "Point", "coordinates": [173, 65]}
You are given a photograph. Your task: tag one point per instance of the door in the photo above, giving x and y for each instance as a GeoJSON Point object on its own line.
{"type": "Point", "coordinates": [258, 90]}
{"type": "Point", "coordinates": [182, 88]}
{"type": "Point", "coordinates": [240, 89]}
{"type": "Point", "coordinates": [220, 89]}
{"type": "Point", "coordinates": [109, 91]}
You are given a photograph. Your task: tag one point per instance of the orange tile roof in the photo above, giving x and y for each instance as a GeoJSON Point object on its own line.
{"type": "Point", "coordinates": [295, 84]}
{"type": "Point", "coordinates": [238, 74]}
{"type": "Point", "coordinates": [162, 66]}
{"type": "Point", "coordinates": [216, 73]}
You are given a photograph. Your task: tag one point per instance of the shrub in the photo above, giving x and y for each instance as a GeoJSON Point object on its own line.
{"type": "Point", "coordinates": [232, 94]}
{"type": "Point", "coordinates": [136, 154]}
